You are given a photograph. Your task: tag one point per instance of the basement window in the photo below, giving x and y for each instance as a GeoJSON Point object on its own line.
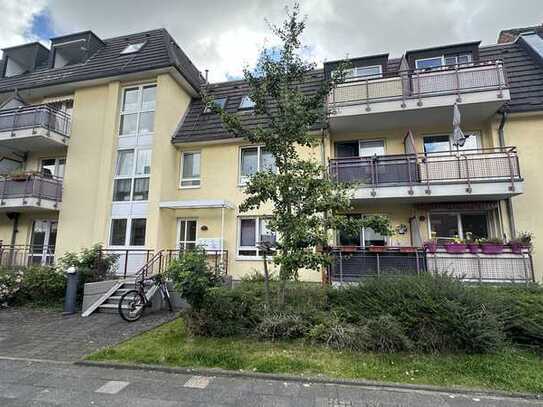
{"type": "Point", "coordinates": [132, 48]}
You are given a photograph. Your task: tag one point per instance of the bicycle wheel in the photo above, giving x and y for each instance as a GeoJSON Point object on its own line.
{"type": "Point", "coordinates": [131, 305]}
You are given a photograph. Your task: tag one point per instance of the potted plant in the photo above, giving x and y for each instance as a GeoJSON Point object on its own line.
{"type": "Point", "coordinates": [472, 243]}
{"type": "Point", "coordinates": [377, 249]}
{"type": "Point", "coordinates": [521, 241]}
{"type": "Point", "coordinates": [407, 249]}
{"type": "Point", "coordinates": [492, 246]}
{"type": "Point", "coordinates": [349, 248]}
{"type": "Point", "coordinates": [430, 246]}
{"type": "Point", "coordinates": [456, 246]}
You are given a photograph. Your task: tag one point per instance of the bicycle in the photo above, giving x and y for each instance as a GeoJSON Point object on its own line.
{"type": "Point", "coordinates": [133, 303]}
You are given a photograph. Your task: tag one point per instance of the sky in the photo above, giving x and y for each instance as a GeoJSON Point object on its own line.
{"type": "Point", "coordinates": [226, 35]}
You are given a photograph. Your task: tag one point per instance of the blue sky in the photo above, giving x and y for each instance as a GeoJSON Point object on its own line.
{"type": "Point", "coordinates": [42, 26]}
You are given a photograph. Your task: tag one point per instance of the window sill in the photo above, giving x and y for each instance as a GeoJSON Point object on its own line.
{"type": "Point", "coordinates": [189, 186]}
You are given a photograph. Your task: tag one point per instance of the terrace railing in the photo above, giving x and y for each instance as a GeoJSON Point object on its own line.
{"type": "Point", "coordinates": [30, 185]}
{"type": "Point", "coordinates": [22, 255]}
{"type": "Point", "coordinates": [420, 83]}
{"type": "Point", "coordinates": [464, 166]}
{"type": "Point", "coordinates": [33, 117]}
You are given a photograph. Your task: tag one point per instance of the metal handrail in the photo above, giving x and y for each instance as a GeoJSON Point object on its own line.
{"type": "Point", "coordinates": [34, 116]}
{"type": "Point", "coordinates": [34, 185]}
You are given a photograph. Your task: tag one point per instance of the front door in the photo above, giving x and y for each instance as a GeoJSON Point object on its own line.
{"type": "Point", "coordinates": [186, 233]}
{"type": "Point", "coordinates": [42, 242]}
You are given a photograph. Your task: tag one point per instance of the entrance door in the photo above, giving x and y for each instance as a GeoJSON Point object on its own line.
{"type": "Point", "coordinates": [42, 242]}
{"type": "Point", "coordinates": [186, 234]}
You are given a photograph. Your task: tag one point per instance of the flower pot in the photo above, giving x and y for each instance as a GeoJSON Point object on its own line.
{"type": "Point", "coordinates": [491, 248]}
{"type": "Point", "coordinates": [455, 248]}
{"type": "Point", "coordinates": [377, 249]}
{"type": "Point", "coordinates": [431, 247]}
{"type": "Point", "coordinates": [473, 248]}
{"type": "Point", "coordinates": [516, 248]}
{"type": "Point", "coordinates": [407, 249]}
{"type": "Point", "coordinates": [349, 249]}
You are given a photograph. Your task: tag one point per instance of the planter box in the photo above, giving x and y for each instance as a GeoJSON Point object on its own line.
{"type": "Point", "coordinates": [455, 248]}
{"type": "Point", "coordinates": [408, 249]}
{"type": "Point", "coordinates": [492, 248]}
{"type": "Point", "coordinates": [349, 249]}
{"type": "Point", "coordinates": [473, 248]}
{"type": "Point", "coordinates": [377, 249]}
{"type": "Point", "coordinates": [431, 247]}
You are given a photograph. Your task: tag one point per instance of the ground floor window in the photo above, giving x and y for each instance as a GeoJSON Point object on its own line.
{"type": "Point", "coordinates": [128, 232]}
{"type": "Point", "coordinates": [252, 231]}
{"type": "Point", "coordinates": [186, 233]}
{"type": "Point", "coordinates": [42, 241]}
{"type": "Point", "coordinates": [449, 225]}
{"type": "Point", "coordinates": [366, 237]}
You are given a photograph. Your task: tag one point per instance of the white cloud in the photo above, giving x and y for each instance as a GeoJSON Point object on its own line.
{"type": "Point", "coordinates": [17, 16]}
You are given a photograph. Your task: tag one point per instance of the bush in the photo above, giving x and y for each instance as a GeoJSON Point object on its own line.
{"type": "Point", "coordinates": [192, 277]}
{"type": "Point", "coordinates": [339, 335]}
{"type": "Point", "coordinates": [10, 283]}
{"type": "Point", "coordinates": [387, 335]}
{"type": "Point", "coordinates": [42, 286]}
{"type": "Point", "coordinates": [282, 326]}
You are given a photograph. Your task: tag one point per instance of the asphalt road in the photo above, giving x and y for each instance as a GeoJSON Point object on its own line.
{"type": "Point", "coordinates": [48, 383]}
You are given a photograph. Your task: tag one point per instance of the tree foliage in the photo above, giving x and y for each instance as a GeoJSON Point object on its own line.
{"type": "Point", "coordinates": [307, 203]}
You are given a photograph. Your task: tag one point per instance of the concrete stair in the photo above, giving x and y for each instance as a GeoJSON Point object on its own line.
{"type": "Point", "coordinates": [111, 305]}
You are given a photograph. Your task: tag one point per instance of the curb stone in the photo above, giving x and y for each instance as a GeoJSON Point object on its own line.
{"type": "Point", "coordinates": [311, 379]}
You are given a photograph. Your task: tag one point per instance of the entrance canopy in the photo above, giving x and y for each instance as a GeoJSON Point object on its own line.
{"type": "Point", "coordinates": [196, 204]}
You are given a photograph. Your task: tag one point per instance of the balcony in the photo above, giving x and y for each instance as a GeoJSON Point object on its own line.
{"type": "Point", "coordinates": [411, 97]}
{"type": "Point", "coordinates": [351, 265]}
{"type": "Point", "coordinates": [28, 192]}
{"type": "Point", "coordinates": [34, 128]}
{"type": "Point", "coordinates": [484, 174]}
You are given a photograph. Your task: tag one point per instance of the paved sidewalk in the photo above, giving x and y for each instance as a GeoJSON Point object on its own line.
{"type": "Point", "coordinates": [53, 385]}
{"type": "Point", "coordinates": [35, 334]}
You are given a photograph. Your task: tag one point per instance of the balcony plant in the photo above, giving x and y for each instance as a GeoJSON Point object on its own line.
{"type": "Point", "coordinates": [407, 249]}
{"type": "Point", "coordinates": [376, 249]}
{"type": "Point", "coordinates": [430, 245]}
{"type": "Point", "coordinates": [349, 248]}
{"type": "Point", "coordinates": [21, 175]}
{"type": "Point", "coordinates": [456, 246]}
{"type": "Point", "coordinates": [522, 241]}
{"type": "Point", "coordinates": [492, 246]}
{"type": "Point", "coordinates": [472, 243]}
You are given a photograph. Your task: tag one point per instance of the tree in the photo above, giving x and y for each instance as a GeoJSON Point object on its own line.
{"type": "Point", "coordinates": [307, 203]}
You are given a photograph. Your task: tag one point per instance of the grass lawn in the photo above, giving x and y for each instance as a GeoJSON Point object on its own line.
{"type": "Point", "coordinates": [171, 345]}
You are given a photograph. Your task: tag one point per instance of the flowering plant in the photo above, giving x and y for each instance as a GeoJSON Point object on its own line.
{"type": "Point", "coordinates": [10, 283]}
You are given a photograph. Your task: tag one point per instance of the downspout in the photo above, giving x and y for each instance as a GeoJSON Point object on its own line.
{"type": "Point", "coordinates": [508, 202]}
{"type": "Point", "coordinates": [15, 217]}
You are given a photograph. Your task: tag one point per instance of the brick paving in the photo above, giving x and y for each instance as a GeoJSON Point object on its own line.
{"type": "Point", "coordinates": [37, 334]}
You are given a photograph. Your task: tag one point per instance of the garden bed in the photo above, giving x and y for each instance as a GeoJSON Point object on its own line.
{"type": "Point", "coordinates": [510, 369]}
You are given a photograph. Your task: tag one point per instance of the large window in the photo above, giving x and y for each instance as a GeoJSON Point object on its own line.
{"type": "Point", "coordinates": [127, 232]}
{"type": "Point", "coordinates": [360, 148]}
{"type": "Point", "coordinates": [254, 159]}
{"type": "Point", "coordinates": [366, 237]}
{"type": "Point", "coordinates": [138, 110]}
{"type": "Point", "coordinates": [446, 226]}
{"type": "Point", "coordinates": [53, 167]}
{"type": "Point", "coordinates": [443, 60]}
{"type": "Point", "coordinates": [132, 174]}
{"type": "Point", "coordinates": [364, 72]}
{"type": "Point", "coordinates": [190, 169]}
{"type": "Point", "coordinates": [443, 143]}
{"type": "Point", "coordinates": [252, 231]}
{"type": "Point", "coordinates": [187, 233]}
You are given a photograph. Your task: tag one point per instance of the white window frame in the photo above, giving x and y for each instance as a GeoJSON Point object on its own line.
{"type": "Point", "coordinates": [452, 149]}
{"type": "Point", "coordinates": [242, 179]}
{"type": "Point", "coordinates": [128, 231]}
{"type": "Point", "coordinates": [133, 48]}
{"type": "Point", "coordinates": [239, 248]}
{"type": "Point", "coordinates": [360, 141]}
{"type": "Point", "coordinates": [138, 111]}
{"type": "Point", "coordinates": [133, 176]}
{"type": "Point", "coordinates": [443, 59]}
{"type": "Point", "coordinates": [245, 98]}
{"type": "Point", "coordinates": [57, 165]}
{"type": "Point", "coordinates": [178, 233]}
{"type": "Point", "coordinates": [207, 109]}
{"type": "Point", "coordinates": [181, 179]}
{"type": "Point", "coordinates": [362, 234]}
{"type": "Point", "coordinates": [353, 76]}
{"type": "Point", "coordinates": [459, 224]}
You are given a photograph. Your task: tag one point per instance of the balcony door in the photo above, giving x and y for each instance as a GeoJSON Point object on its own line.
{"type": "Point", "coordinates": [53, 167]}
{"type": "Point", "coordinates": [443, 143]}
{"type": "Point", "coordinates": [446, 226]}
{"type": "Point", "coordinates": [42, 242]}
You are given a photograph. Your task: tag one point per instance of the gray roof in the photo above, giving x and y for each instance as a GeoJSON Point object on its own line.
{"type": "Point", "coordinates": [200, 126]}
{"type": "Point", "coordinates": [160, 51]}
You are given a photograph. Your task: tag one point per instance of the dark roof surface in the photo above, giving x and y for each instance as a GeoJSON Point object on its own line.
{"type": "Point", "coordinates": [200, 126]}
{"type": "Point", "coordinates": [160, 51]}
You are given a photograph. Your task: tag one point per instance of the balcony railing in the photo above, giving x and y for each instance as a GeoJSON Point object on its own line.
{"type": "Point", "coordinates": [27, 186]}
{"type": "Point", "coordinates": [23, 255]}
{"type": "Point", "coordinates": [420, 83]}
{"type": "Point", "coordinates": [33, 117]}
{"type": "Point", "coordinates": [466, 167]}
{"type": "Point", "coordinates": [351, 264]}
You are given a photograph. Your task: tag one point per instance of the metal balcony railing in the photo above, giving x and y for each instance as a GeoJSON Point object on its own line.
{"type": "Point", "coordinates": [22, 255]}
{"type": "Point", "coordinates": [450, 167]}
{"type": "Point", "coordinates": [30, 186]}
{"type": "Point", "coordinates": [420, 83]}
{"type": "Point", "coordinates": [33, 117]}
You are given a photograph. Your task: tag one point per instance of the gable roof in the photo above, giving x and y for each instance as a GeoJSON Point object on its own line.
{"type": "Point", "coordinates": [160, 51]}
{"type": "Point", "coordinates": [200, 126]}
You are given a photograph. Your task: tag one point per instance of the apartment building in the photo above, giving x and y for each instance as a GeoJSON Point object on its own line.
{"type": "Point", "coordinates": [108, 141]}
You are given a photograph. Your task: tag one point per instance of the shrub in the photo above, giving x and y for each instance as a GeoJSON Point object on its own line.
{"type": "Point", "coordinates": [192, 276]}
{"type": "Point", "coordinates": [223, 312]}
{"type": "Point", "coordinates": [42, 286]}
{"type": "Point", "coordinates": [339, 335]}
{"type": "Point", "coordinates": [387, 335]}
{"type": "Point", "coordinates": [10, 283]}
{"type": "Point", "coordinates": [281, 326]}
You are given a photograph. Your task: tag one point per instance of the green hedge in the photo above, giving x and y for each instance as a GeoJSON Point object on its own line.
{"type": "Point", "coordinates": [423, 313]}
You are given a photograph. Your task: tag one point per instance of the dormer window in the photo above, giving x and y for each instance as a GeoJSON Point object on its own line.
{"type": "Point", "coordinates": [132, 48]}
{"type": "Point", "coordinates": [364, 72]}
{"type": "Point", "coordinates": [246, 103]}
{"type": "Point", "coordinates": [443, 61]}
{"type": "Point", "coordinates": [69, 53]}
{"type": "Point", "coordinates": [221, 102]}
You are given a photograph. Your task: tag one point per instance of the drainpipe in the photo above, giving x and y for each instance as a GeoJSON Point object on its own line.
{"type": "Point", "coordinates": [508, 202]}
{"type": "Point", "coordinates": [15, 217]}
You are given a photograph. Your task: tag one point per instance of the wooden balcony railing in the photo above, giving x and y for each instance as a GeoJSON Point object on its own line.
{"type": "Point", "coordinates": [465, 167]}
{"type": "Point", "coordinates": [33, 117]}
{"type": "Point", "coordinates": [420, 83]}
{"type": "Point", "coordinates": [30, 185]}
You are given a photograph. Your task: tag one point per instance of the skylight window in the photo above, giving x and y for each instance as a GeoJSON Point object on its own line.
{"type": "Point", "coordinates": [132, 48]}
{"type": "Point", "coordinates": [246, 103]}
{"type": "Point", "coordinates": [221, 102]}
